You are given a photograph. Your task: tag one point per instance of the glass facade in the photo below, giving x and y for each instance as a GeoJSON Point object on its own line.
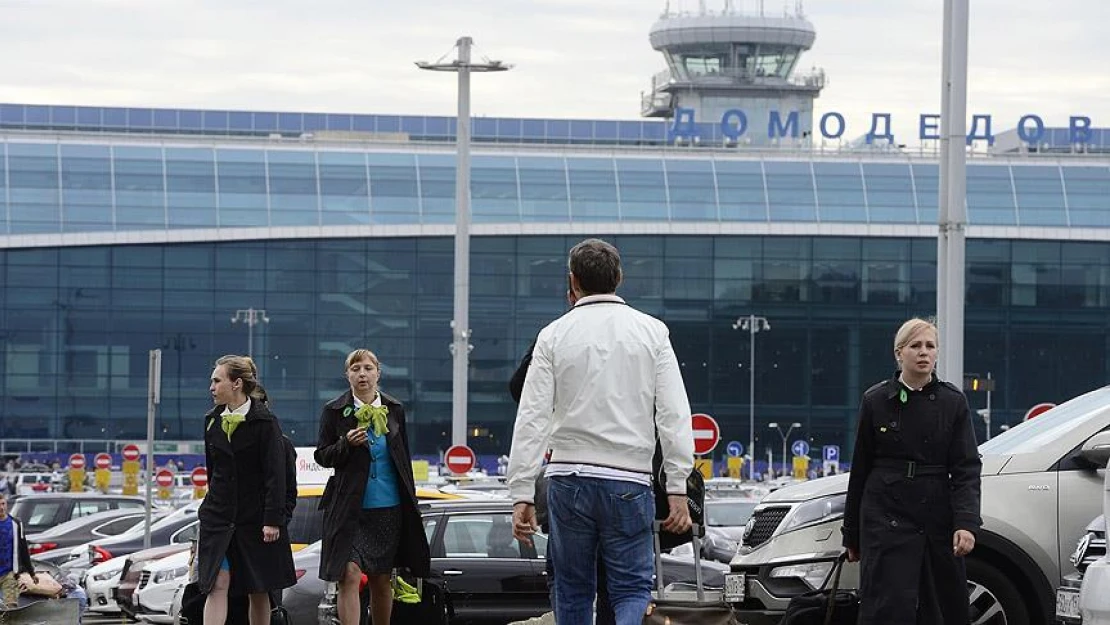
{"type": "Point", "coordinates": [52, 188]}
{"type": "Point", "coordinates": [77, 323]}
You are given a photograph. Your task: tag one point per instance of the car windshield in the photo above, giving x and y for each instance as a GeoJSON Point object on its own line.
{"type": "Point", "coordinates": [63, 529]}
{"type": "Point", "coordinates": [161, 519]}
{"type": "Point", "coordinates": [728, 512]}
{"type": "Point", "coordinates": [1031, 435]}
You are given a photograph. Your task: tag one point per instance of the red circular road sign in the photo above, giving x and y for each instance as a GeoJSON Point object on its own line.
{"type": "Point", "coordinates": [199, 476]}
{"type": "Point", "coordinates": [164, 478]}
{"type": "Point", "coordinates": [460, 459]}
{"type": "Point", "coordinates": [1038, 409]}
{"type": "Point", "coordinates": [77, 461]}
{"type": "Point", "coordinates": [103, 461]}
{"type": "Point", "coordinates": [131, 452]}
{"type": "Point", "coordinates": [706, 433]}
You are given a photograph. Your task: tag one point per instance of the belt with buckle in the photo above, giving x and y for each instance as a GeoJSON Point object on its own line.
{"type": "Point", "coordinates": [911, 468]}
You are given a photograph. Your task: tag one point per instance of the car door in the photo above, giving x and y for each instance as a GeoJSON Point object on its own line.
{"type": "Point", "coordinates": [489, 575]}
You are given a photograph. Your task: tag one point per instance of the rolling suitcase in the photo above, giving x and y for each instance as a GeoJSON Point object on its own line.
{"type": "Point", "coordinates": [686, 607]}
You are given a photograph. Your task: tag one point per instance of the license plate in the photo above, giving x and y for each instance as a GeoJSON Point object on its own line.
{"type": "Point", "coordinates": [735, 587]}
{"type": "Point", "coordinates": [1067, 603]}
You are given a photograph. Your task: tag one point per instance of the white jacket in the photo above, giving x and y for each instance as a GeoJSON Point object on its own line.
{"type": "Point", "coordinates": [603, 377]}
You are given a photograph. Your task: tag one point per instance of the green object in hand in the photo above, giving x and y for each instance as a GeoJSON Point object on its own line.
{"type": "Point", "coordinates": [375, 416]}
{"type": "Point", "coordinates": [231, 421]}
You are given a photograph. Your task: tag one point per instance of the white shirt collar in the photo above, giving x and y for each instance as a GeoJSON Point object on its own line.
{"type": "Point", "coordinates": [243, 410]}
{"type": "Point", "coordinates": [358, 402]}
{"type": "Point", "coordinates": [601, 297]}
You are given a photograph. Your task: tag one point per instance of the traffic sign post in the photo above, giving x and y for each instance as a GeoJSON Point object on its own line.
{"type": "Point", "coordinates": [130, 469]}
{"type": "Point", "coordinates": [103, 475]}
{"type": "Point", "coordinates": [199, 478]}
{"type": "Point", "coordinates": [1038, 409]}
{"type": "Point", "coordinates": [800, 448]}
{"type": "Point", "coordinates": [734, 449]}
{"type": "Point", "coordinates": [830, 455]}
{"type": "Point", "coordinates": [77, 473]}
{"type": "Point", "coordinates": [460, 459]}
{"type": "Point", "coordinates": [164, 479]}
{"type": "Point", "coordinates": [706, 433]}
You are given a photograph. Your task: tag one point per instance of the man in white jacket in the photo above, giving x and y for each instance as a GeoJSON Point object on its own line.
{"type": "Point", "coordinates": [603, 383]}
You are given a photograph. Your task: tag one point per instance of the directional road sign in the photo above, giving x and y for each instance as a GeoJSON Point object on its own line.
{"type": "Point", "coordinates": [800, 448]}
{"type": "Point", "coordinates": [831, 453]}
{"type": "Point", "coordinates": [735, 449]}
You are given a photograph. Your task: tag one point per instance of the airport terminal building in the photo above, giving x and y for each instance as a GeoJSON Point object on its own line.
{"type": "Point", "coordinates": [126, 230]}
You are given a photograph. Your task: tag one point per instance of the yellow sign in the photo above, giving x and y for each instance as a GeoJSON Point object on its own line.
{"type": "Point", "coordinates": [801, 467]}
{"type": "Point", "coordinates": [164, 493]}
{"type": "Point", "coordinates": [103, 478]}
{"type": "Point", "coordinates": [130, 477]}
{"type": "Point", "coordinates": [705, 465]}
{"type": "Point", "coordinates": [76, 480]}
{"type": "Point", "coordinates": [420, 470]}
{"type": "Point", "coordinates": [735, 467]}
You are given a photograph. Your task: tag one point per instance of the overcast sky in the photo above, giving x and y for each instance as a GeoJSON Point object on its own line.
{"type": "Point", "coordinates": [573, 58]}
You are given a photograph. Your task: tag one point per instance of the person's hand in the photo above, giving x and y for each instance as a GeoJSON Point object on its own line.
{"type": "Point", "coordinates": [356, 436]}
{"type": "Point", "coordinates": [270, 533]}
{"type": "Point", "coordinates": [963, 542]}
{"type": "Point", "coordinates": [853, 555]}
{"type": "Point", "coordinates": [678, 521]}
{"type": "Point", "coordinates": [524, 522]}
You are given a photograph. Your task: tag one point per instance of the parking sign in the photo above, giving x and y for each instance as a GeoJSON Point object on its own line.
{"type": "Point", "coordinates": [831, 453]}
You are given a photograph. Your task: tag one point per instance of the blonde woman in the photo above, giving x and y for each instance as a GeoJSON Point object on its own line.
{"type": "Point", "coordinates": [372, 522]}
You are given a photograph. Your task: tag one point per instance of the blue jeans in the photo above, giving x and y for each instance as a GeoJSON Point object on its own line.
{"type": "Point", "coordinates": [591, 517]}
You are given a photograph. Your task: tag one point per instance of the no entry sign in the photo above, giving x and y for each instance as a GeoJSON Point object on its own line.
{"type": "Point", "coordinates": [77, 461]}
{"type": "Point", "coordinates": [706, 433]}
{"type": "Point", "coordinates": [460, 459]}
{"type": "Point", "coordinates": [164, 478]}
{"type": "Point", "coordinates": [1038, 409]}
{"type": "Point", "coordinates": [103, 461]}
{"type": "Point", "coordinates": [199, 476]}
{"type": "Point", "coordinates": [131, 453]}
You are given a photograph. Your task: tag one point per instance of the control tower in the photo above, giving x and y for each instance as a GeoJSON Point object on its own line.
{"type": "Point", "coordinates": [740, 57]}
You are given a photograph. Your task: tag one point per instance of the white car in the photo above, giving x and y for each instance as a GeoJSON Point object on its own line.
{"type": "Point", "coordinates": [158, 585]}
{"type": "Point", "coordinates": [1094, 598]}
{"type": "Point", "coordinates": [99, 582]}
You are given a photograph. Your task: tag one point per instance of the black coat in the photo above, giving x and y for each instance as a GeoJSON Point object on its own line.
{"type": "Point", "coordinates": [342, 497]}
{"type": "Point", "coordinates": [247, 489]}
{"type": "Point", "coordinates": [902, 525]}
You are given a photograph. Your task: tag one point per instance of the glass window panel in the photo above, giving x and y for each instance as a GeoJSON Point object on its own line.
{"type": "Point", "coordinates": [840, 192]}
{"type": "Point", "coordinates": [654, 132]}
{"type": "Point", "coordinates": [493, 189]}
{"type": "Point", "coordinates": [558, 129]}
{"type": "Point", "coordinates": [240, 121]}
{"type": "Point", "coordinates": [265, 121]}
{"type": "Point", "coordinates": [140, 189]}
{"type": "Point", "coordinates": [543, 189]}
{"type": "Point", "coordinates": [890, 196]}
{"type": "Point", "coordinates": [790, 191]}
{"type": "Point", "coordinates": [190, 120]}
{"type": "Point", "coordinates": [344, 189]}
{"type": "Point", "coordinates": [643, 190]}
{"type": "Point", "coordinates": [3, 201]}
{"type": "Point", "coordinates": [485, 127]}
{"type": "Point", "coordinates": [927, 184]}
{"type": "Point", "coordinates": [741, 190]}
{"type": "Point", "coordinates": [436, 127]}
{"type": "Point", "coordinates": [692, 190]}
{"type": "Point", "coordinates": [394, 197]}
{"type": "Point", "coordinates": [363, 123]}
{"type": "Point", "coordinates": [290, 122]}
{"type": "Point", "coordinates": [990, 196]}
{"type": "Point", "coordinates": [115, 118]}
{"type": "Point", "coordinates": [292, 186]}
{"type": "Point", "coordinates": [88, 116]}
{"type": "Point", "coordinates": [140, 118]}
{"type": "Point", "coordinates": [191, 188]}
{"type": "Point", "coordinates": [593, 189]}
{"type": "Point", "coordinates": [533, 129]}
{"type": "Point", "coordinates": [437, 188]}
{"type": "Point", "coordinates": [215, 120]}
{"type": "Point", "coordinates": [1088, 190]}
{"type": "Point", "coordinates": [64, 115]}
{"type": "Point", "coordinates": [86, 188]}
{"type": "Point", "coordinates": [582, 129]}
{"type": "Point", "coordinates": [388, 123]}
{"type": "Point", "coordinates": [1040, 195]}
{"type": "Point", "coordinates": [37, 115]}
{"type": "Point", "coordinates": [315, 121]}
{"type": "Point", "coordinates": [34, 200]}
{"type": "Point", "coordinates": [340, 122]}
{"type": "Point", "coordinates": [11, 114]}
{"type": "Point", "coordinates": [628, 131]}
{"type": "Point", "coordinates": [509, 128]}
{"type": "Point", "coordinates": [605, 130]}
{"type": "Point", "coordinates": [241, 183]}
{"type": "Point", "coordinates": [165, 118]}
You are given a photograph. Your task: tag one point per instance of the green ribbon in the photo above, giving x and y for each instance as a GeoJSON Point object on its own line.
{"type": "Point", "coordinates": [904, 396]}
{"type": "Point", "coordinates": [373, 415]}
{"type": "Point", "coordinates": [230, 422]}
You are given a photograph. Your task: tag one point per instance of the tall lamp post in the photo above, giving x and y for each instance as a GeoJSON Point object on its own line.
{"type": "Point", "coordinates": [251, 317]}
{"type": "Point", "coordinates": [775, 426]}
{"type": "Point", "coordinates": [752, 325]}
{"type": "Point", "coordinates": [460, 325]}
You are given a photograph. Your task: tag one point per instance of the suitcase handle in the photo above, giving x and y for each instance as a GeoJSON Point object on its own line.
{"type": "Point", "coordinates": [700, 582]}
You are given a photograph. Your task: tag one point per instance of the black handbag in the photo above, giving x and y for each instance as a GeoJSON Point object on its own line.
{"type": "Point", "coordinates": [825, 606]}
{"type": "Point", "coordinates": [695, 501]}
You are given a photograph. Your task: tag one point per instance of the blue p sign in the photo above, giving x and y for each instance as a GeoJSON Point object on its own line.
{"type": "Point", "coordinates": [831, 453]}
{"type": "Point", "coordinates": [800, 448]}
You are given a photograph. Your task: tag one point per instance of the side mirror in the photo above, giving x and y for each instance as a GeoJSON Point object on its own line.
{"type": "Point", "coordinates": [1097, 449]}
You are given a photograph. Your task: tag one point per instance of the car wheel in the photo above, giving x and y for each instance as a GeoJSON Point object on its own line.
{"type": "Point", "coordinates": [993, 598]}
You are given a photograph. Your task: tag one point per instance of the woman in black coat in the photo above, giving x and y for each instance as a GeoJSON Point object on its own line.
{"type": "Point", "coordinates": [913, 495]}
{"type": "Point", "coordinates": [243, 546]}
{"type": "Point", "coordinates": [372, 521]}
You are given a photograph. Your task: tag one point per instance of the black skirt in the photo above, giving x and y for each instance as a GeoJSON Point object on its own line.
{"type": "Point", "coordinates": [375, 544]}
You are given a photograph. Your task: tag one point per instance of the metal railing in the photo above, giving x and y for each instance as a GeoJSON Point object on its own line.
{"type": "Point", "coordinates": [815, 79]}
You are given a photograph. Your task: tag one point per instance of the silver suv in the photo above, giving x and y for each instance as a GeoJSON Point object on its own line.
{"type": "Point", "coordinates": [1042, 484]}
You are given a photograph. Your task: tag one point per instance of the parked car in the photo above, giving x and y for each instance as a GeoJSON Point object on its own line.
{"type": "Point", "coordinates": [138, 574]}
{"type": "Point", "coordinates": [160, 580]}
{"type": "Point", "coordinates": [178, 527]}
{"type": "Point", "coordinates": [83, 529]}
{"type": "Point", "coordinates": [725, 518]}
{"type": "Point", "coordinates": [62, 555]}
{"type": "Point", "coordinates": [99, 582]}
{"type": "Point", "coordinates": [40, 512]}
{"type": "Point", "coordinates": [1040, 489]}
{"type": "Point", "coordinates": [1090, 548]}
{"type": "Point", "coordinates": [1094, 599]}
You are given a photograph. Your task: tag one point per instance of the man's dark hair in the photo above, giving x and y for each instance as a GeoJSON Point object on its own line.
{"type": "Point", "coordinates": [597, 265]}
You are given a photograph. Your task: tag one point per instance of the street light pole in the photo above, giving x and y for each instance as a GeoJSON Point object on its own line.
{"type": "Point", "coordinates": [784, 438]}
{"type": "Point", "coordinates": [460, 324]}
{"type": "Point", "coordinates": [752, 324]}
{"type": "Point", "coordinates": [251, 317]}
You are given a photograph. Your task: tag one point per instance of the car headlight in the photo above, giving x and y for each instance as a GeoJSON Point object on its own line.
{"type": "Point", "coordinates": [816, 511]}
{"type": "Point", "coordinates": [164, 576]}
{"type": "Point", "coordinates": [812, 573]}
{"type": "Point", "coordinates": [106, 575]}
